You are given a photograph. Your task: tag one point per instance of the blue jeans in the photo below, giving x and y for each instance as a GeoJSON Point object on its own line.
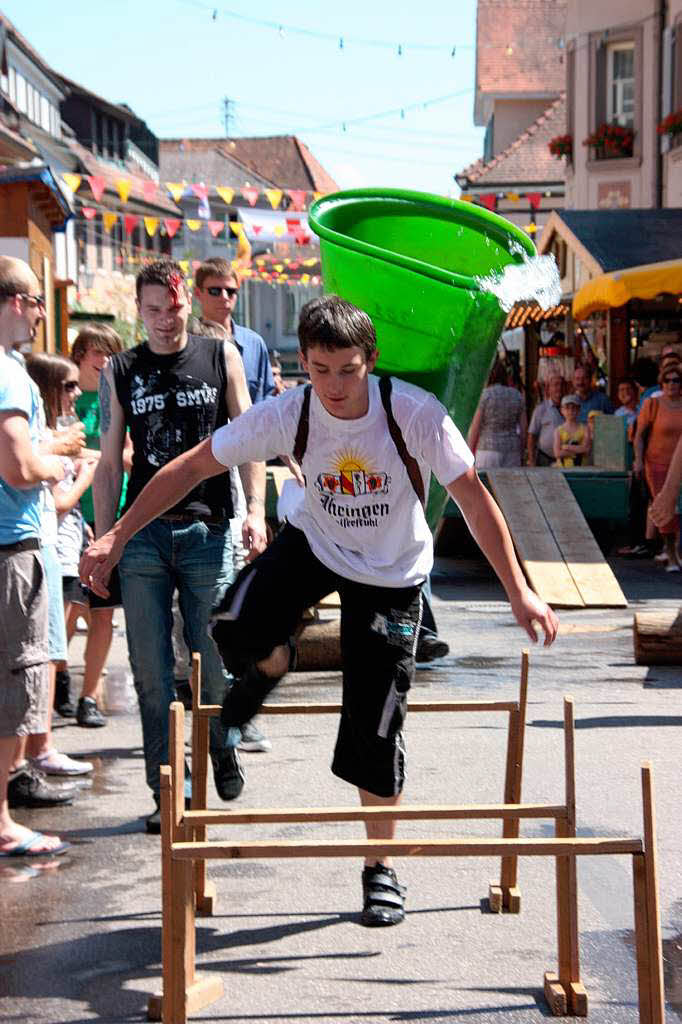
{"type": "Point", "coordinates": [195, 558]}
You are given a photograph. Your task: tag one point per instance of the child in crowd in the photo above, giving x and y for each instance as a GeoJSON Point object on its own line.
{"type": "Point", "coordinates": [628, 397]}
{"type": "Point", "coordinates": [91, 351]}
{"type": "Point", "coordinates": [57, 381]}
{"type": "Point", "coordinates": [571, 439]}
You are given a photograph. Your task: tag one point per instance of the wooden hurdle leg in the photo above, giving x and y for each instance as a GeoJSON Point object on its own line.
{"type": "Point", "coordinates": [647, 914]}
{"type": "Point", "coordinates": [506, 896]}
{"type": "Point", "coordinates": [183, 993]}
{"type": "Point", "coordinates": [564, 992]}
{"type": "Point", "coordinates": [204, 891]}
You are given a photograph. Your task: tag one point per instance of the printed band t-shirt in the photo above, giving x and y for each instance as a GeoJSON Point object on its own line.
{"type": "Point", "coordinates": [360, 514]}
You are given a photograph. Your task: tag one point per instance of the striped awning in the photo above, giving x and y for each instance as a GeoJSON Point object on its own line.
{"type": "Point", "coordinates": [531, 313]}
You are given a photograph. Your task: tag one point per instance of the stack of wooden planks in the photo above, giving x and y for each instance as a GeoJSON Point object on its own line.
{"type": "Point", "coordinates": [560, 557]}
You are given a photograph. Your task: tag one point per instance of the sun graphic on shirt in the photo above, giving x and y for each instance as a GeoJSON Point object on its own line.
{"type": "Point", "coordinates": [349, 462]}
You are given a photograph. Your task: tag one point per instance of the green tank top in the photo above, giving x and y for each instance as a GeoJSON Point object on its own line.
{"type": "Point", "coordinates": [87, 410]}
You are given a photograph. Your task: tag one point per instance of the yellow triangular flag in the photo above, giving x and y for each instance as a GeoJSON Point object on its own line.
{"type": "Point", "coordinates": [72, 181]}
{"type": "Point", "coordinates": [305, 278]}
{"type": "Point", "coordinates": [151, 224]}
{"type": "Point", "coordinates": [467, 199]}
{"type": "Point", "coordinates": [279, 229]}
{"type": "Point", "coordinates": [225, 193]}
{"type": "Point", "coordinates": [311, 262]}
{"type": "Point", "coordinates": [184, 264]}
{"type": "Point", "coordinates": [123, 185]}
{"type": "Point", "coordinates": [317, 195]}
{"type": "Point", "coordinates": [513, 197]}
{"type": "Point", "coordinates": [274, 196]}
{"type": "Point", "coordinates": [108, 220]}
{"type": "Point", "coordinates": [193, 225]}
{"type": "Point", "coordinates": [237, 227]}
{"type": "Point", "coordinates": [176, 189]}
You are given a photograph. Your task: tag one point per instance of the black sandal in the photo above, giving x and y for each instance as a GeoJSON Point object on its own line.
{"type": "Point", "coordinates": [384, 897]}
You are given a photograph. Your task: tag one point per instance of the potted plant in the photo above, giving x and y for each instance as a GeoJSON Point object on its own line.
{"type": "Point", "coordinates": [672, 126]}
{"type": "Point", "coordinates": [610, 141]}
{"type": "Point", "coordinates": [561, 145]}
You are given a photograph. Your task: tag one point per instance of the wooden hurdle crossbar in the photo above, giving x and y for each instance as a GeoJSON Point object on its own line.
{"type": "Point", "coordinates": [184, 845]}
{"type": "Point", "coordinates": [503, 896]}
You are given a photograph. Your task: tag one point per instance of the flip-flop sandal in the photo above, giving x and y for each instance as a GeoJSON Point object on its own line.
{"type": "Point", "coordinates": [384, 897]}
{"type": "Point", "coordinates": [25, 849]}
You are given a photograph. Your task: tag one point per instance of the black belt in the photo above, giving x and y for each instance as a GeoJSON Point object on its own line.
{"type": "Point", "coordinates": [30, 544]}
{"type": "Point", "coordinates": [189, 518]}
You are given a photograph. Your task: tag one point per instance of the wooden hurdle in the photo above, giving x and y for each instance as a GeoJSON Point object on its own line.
{"type": "Point", "coordinates": [503, 896]}
{"type": "Point", "coordinates": [184, 993]}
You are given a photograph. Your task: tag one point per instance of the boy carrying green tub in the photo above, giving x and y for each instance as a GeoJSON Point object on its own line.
{"type": "Point", "coordinates": [367, 447]}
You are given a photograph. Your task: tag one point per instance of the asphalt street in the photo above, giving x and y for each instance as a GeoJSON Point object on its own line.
{"type": "Point", "coordinates": [80, 937]}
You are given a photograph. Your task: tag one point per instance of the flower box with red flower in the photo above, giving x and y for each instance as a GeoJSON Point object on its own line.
{"type": "Point", "coordinates": [611, 141]}
{"type": "Point", "coordinates": [672, 127]}
{"type": "Point", "coordinates": [561, 145]}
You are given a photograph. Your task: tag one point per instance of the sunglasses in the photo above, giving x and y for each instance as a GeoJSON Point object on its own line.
{"type": "Point", "coordinates": [35, 300]}
{"type": "Point", "coordinates": [215, 292]}
{"type": "Point", "coordinates": [69, 385]}
{"type": "Point", "coordinates": [672, 380]}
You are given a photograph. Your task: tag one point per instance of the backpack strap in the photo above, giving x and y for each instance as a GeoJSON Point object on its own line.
{"type": "Point", "coordinates": [411, 465]}
{"type": "Point", "coordinates": [301, 441]}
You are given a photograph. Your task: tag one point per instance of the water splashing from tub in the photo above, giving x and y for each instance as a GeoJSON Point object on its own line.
{"type": "Point", "coordinates": [535, 279]}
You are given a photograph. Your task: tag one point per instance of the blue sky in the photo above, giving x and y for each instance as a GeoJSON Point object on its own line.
{"type": "Point", "coordinates": [173, 62]}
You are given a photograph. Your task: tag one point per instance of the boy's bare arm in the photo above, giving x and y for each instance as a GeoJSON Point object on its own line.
{"type": "Point", "coordinates": [490, 532]}
{"type": "Point", "coordinates": [106, 485]}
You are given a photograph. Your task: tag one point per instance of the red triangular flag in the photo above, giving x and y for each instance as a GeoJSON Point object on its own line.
{"type": "Point", "coordinates": [297, 196]}
{"type": "Point", "coordinates": [256, 228]}
{"type": "Point", "coordinates": [171, 225]}
{"type": "Point", "coordinates": [534, 198]}
{"type": "Point", "coordinates": [489, 200]}
{"type": "Point", "coordinates": [97, 185]}
{"type": "Point", "coordinates": [130, 222]}
{"type": "Point", "coordinates": [215, 227]}
{"type": "Point", "coordinates": [250, 194]}
{"type": "Point", "coordinates": [89, 212]}
{"type": "Point", "coordinates": [200, 191]}
{"type": "Point", "coordinates": [293, 225]}
{"type": "Point", "coordinates": [149, 189]}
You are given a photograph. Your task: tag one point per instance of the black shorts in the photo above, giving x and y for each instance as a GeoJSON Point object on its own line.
{"type": "Point", "coordinates": [379, 627]}
{"type": "Point", "coordinates": [74, 591]}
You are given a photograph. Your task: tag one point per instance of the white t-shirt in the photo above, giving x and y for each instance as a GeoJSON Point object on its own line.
{"type": "Point", "coordinates": [360, 514]}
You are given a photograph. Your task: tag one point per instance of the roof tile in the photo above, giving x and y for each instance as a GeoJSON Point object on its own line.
{"type": "Point", "coordinates": [528, 158]}
{"type": "Point", "coordinates": [517, 46]}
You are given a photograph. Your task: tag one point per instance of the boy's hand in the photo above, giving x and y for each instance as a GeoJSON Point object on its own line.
{"type": "Point", "coordinates": [529, 609]}
{"type": "Point", "coordinates": [97, 562]}
{"type": "Point", "coordinates": [254, 536]}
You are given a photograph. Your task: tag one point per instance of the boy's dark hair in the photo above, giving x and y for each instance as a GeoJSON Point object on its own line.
{"type": "Point", "coordinates": [645, 372]}
{"type": "Point", "coordinates": [630, 381]}
{"type": "Point", "coordinates": [498, 374]}
{"type": "Point", "coordinates": [216, 266]}
{"type": "Point", "coordinates": [96, 336]}
{"type": "Point", "coordinates": [167, 273]}
{"type": "Point", "coordinates": [332, 323]}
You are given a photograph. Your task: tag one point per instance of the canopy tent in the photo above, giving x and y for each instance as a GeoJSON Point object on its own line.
{"type": "Point", "coordinates": [620, 286]}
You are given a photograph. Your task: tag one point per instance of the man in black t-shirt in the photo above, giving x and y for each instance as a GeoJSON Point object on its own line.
{"type": "Point", "coordinates": [170, 393]}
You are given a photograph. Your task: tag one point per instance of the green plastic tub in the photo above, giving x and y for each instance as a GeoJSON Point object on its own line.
{"type": "Point", "coordinates": [409, 259]}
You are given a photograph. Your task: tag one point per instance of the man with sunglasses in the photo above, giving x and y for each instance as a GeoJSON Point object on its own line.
{"type": "Point", "coordinates": [24, 687]}
{"type": "Point", "coordinates": [216, 289]}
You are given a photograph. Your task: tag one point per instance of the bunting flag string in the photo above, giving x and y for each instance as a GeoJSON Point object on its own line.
{"type": "Point", "coordinates": [171, 225]}
{"type": "Point", "coordinates": [130, 222]}
{"type": "Point", "coordinates": [89, 212]}
{"type": "Point", "coordinates": [150, 225]}
{"type": "Point", "coordinates": [298, 198]}
{"type": "Point", "coordinates": [109, 219]}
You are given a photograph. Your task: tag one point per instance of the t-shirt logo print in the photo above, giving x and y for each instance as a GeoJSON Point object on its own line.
{"type": "Point", "coordinates": [351, 476]}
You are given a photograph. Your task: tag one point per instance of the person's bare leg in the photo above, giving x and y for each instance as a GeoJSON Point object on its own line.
{"type": "Point", "coordinates": [672, 546]}
{"type": "Point", "coordinates": [76, 612]}
{"type": "Point", "coordinates": [12, 834]}
{"type": "Point", "coordinates": [19, 753]}
{"type": "Point", "coordinates": [97, 647]}
{"type": "Point", "coordinates": [379, 829]}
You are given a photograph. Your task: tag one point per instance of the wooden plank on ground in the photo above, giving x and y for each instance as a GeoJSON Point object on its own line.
{"type": "Point", "coordinates": [538, 551]}
{"type": "Point", "coordinates": [591, 573]}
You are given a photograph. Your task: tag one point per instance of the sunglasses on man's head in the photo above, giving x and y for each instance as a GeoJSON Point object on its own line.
{"type": "Point", "coordinates": [215, 292]}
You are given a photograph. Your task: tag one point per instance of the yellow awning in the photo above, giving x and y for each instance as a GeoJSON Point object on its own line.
{"type": "Point", "coordinates": [617, 288]}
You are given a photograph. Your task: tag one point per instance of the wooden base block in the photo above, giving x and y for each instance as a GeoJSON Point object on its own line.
{"type": "Point", "coordinates": [319, 646]}
{"type": "Point", "coordinates": [205, 902]}
{"type": "Point", "coordinates": [202, 992]}
{"type": "Point", "coordinates": [495, 898]}
{"type": "Point", "coordinates": [155, 1007]}
{"type": "Point", "coordinates": [512, 900]}
{"type": "Point", "coordinates": [555, 995]}
{"type": "Point", "coordinates": [578, 999]}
